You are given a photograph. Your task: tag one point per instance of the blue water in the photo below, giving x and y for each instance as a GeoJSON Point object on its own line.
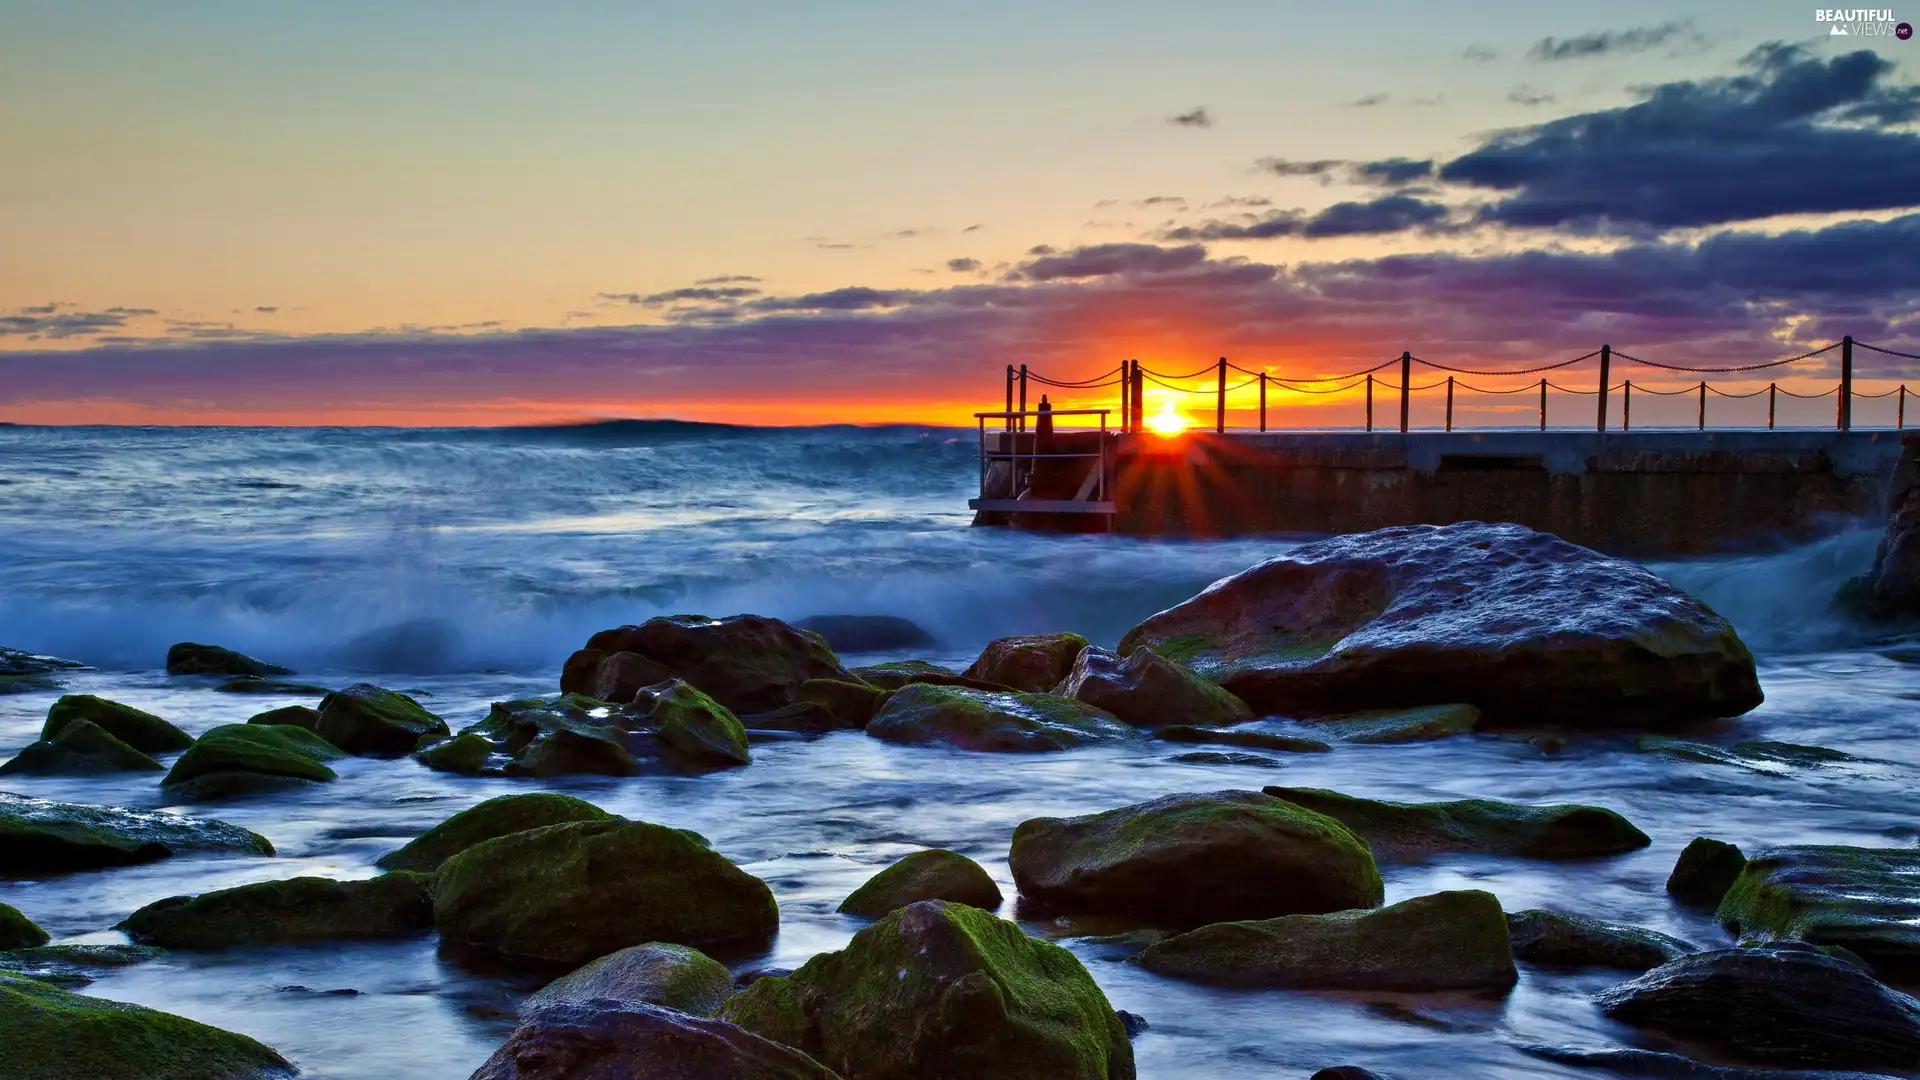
{"type": "Point", "coordinates": [468, 563]}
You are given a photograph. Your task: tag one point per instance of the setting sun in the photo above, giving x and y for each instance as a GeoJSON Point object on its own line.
{"type": "Point", "coordinates": [1168, 421]}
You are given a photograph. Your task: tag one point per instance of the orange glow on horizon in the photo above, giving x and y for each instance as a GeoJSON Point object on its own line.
{"type": "Point", "coordinates": [1168, 422]}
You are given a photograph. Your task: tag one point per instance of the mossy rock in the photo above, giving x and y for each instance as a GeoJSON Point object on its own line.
{"type": "Point", "coordinates": [499, 816]}
{"type": "Point", "coordinates": [673, 976]}
{"type": "Point", "coordinates": [1866, 900]}
{"type": "Point", "coordinates": [1426, 723]}
{"type": "Point", "coordinates": [254, 684]}
{"type": "Point", "coordinates": [141, 730]}
{"type": "Point", "coordinates": [397, 904]}
{"type": "Point", "coordinates": [82, 747]}
{"type": "Point", "coordinates": [1756, 756]}
{"type": "Point", "coordinates": [636, 1041]}
{"type": "Point", "coordinates": [1556, 939]}
{"type": "Point", "coordinates": [747, 663]}
{"type": "Point", "coordinates": [854, 703]}
{"type": "Point", "coordinates": [984, 720]}
{"type": "Point", "coordinates": [365, 719]}
{"type": "Point", "coordinates": [1147, 690]}
{"type": "Point", "coordinates": [70, 966]}
{"type": "Point", "coordinates": [53, 1034]}
{"type": "Point", "coordinates": [1228, 757]}
{"type": "Point", "coordinates": [573, 892]}
{"type": "Point", "coordinates": [300, 716]}
{"type": "Point", "coordinates": [1191, 859]}
{"type": "Point", "coordinates": [40, 836]}
{"type": "Point", "coordinates": [242, 758]}
{"type": "Point", "coordinates": [1252, 739]}
{"type": "Point", "coordinates": [465, 753]}
{"type": "Point", "coordinates": [1706, 869]}
{"type": "Point", "coordinates": [943, 991]}
{"type": "Point", "coordinates": [867, 633]}
{"type": "Point", "coordinates": [20, 662]}
{"type": "Point", "coordinates": [898, 673]}
{"type": "Point", "coordinates": [1032, 664]}
{"type": "Point", "coordinates": [1483, 826]}
{"type": "Point", "coordinates": [800, 718]}
{"type": "Point", "coordinates": [1446, 941]}
{"type": "Point", "coordinates": [934, 874]}
{"type": "Point", "coordinates": [694, 728]}
{"type": "Point", "coordinates": [188, 658]}
{"type": "Point", "coordinates": [19, 932]}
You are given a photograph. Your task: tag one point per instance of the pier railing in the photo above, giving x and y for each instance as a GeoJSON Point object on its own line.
{"type": "Point", "coordinates": [1132, 378]}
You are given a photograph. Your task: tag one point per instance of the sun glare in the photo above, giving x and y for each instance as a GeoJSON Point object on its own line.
{"type": "Point", "coordinates": [1167, 421]}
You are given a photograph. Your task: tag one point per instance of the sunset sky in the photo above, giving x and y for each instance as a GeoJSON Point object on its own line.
{"type": "Point", "coordinates": [507, 212]}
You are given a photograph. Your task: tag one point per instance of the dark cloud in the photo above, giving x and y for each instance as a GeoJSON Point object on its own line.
{"type": "Point", "coordinates": [1195, 118]}
{"type": "Point", "coordinates": [963, 266]}
{"type": "Point", "coordinates": [54, 321]}
{"type": "Point", "coordinates": [1528, 95]}
{"type": "Point", "coordinates": [973, 228]}
{"type": "Point", "coordinates": [1324, 167]}
{"type": "Point", "coordinates": [729, 279]}
{"type": "Point", "coordinates": [855, 298]}
{"type": "Point", "coordinates": [1103, 260]}
{"type": "Point", "coordinates": [1369, 101]}
{"type": "Point", "coordinates": [694, 295]}
{"type": "Point", "coordinates": [1615, 42]}
{"type": "Point", "coordinates": [1392, 172]}
{"type": "Point", "coordinates": [1387, 214]}
{"type": "Point", "coordinates": [1162, 200]}
{"type": "Point", "coordinates": [1237, 200]}
{"type": "Point", "coordinates": [265, 309]}
{"type": "Point", "coordinates": [1478, 53]}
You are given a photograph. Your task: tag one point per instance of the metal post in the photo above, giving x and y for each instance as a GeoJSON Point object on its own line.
{"type": "Point", "coordinates": [1263, 401]}
{"type": "Point", "coordinates": [1022, 419]}
{"type": "Point", "coordinates": [1139, 387]}
{"type": "Point", "coordinates": [1606, 362]}
{"type": "Point", "coordinates": [1449, 403]}
{"type": "Point", "coordinates": [1703, 404]}
{"type": "Point", "coordinates": [1773, 396]}
{"type": "Point", "coordinates": [1126, 387]}
{"type": "Point", "coordinates": [1369, 402]}
{"type": "Point", "coordinates": [1543, 404]}
{"type": "Point", "coordinates": [1626, 406]}
{"type": "Point", "coordinates": [1406, 373]}
{"type": "Point", "coordinates": [1220, 403]}
{"type": "Point", "coordinates": [1846, 383]}
{"type": "Point", "coordinates": [1009, 409]}
{"type": "Point", "coordinates": [1900, 408]}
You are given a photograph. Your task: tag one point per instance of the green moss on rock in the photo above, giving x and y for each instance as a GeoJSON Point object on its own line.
{"type": "Point", "coordinates": [656, 973]}
{"type": "Point", "coordinates": [137, 728]}
{"type": "Point", "coordinates": [934, 874]}
{"type": "Point", "coordinates": [39, 836]}
{"type": "Point", "coordinates": [365, 719]}
{"type": "Point", "coordinates": [81, 747]}
{"type": "Point", "coordinates": [1426, 723]}
{"type": "Point", "coordinates": [189, 658]}
{"type": "Point", "coordinates": [19, 932]}
{"type": "Point", "coordinates": [238, 759]}
{"type": "Point", "coordinates": [69, 966]}
{"type": "Point", "coordinates": [771, 1009]}
{"type": "Point", "coordinates": [694, 727]}
{"type": "Point", "coordinates": [300, 716]}
{"type": "Point", "coordinates": [51, 1034]}
{"type": "Point", "coordinates": [747, 663]}
{"type": "Point", "coordinates": [1033, 664]}
{"type": "Point", "coordinates": [1706, 869]}
{"type": "Point", "coordinates": [1866, 900]}
{"type": "Point", "coordinates": [1446, 941]}
{"type": "Point", "coordinates": [570, 893]}
{"type": "Point", "coordinates": [298, 909]}
{"type": "Point", "coordinates": [465, 753]}
{"type": "Point", "coordinates": [1148, 690]}
{"type": "Point", "coordinates": [1485, 826]}
{"type": "Point", "coordinates": [853, 703]}
{"type": "Point", "coordinates": [1557, 939]}
{"type": "Point", "coordinates": [985, 720]}
{"type": "Point", "coordinates": [500, 816]}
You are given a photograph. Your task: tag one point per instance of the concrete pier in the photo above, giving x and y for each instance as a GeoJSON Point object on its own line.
{"type": "Point", "coordinates": [1636, 492]}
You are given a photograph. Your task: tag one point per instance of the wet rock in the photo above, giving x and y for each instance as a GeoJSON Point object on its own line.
{"type": "Point", "coordinates": [745, 662]}
{"type": "Point", "coordinates": [253, 684]}
{"type": "Point", "coordinates": [753, 975]}
{"type": "Point", "coordinates": [466, 753]}
{"type": "Point", "coordinates": [20, 662]}
{"type": "Point", "coordinates": [799, 718]}
{"type": "Point", "coordinates": [671, 976]}
{"type": "Point", "coordinates": [1863, 899]}
{"type": "Point", "coordinates": [1147, 690]}
{"type": "Point", "coordinates": [499, 816]}
{"type": "Point", "coordinates": [301, 909]}
{"type": "Point", "coordinates": [640, 1042]}
{"type": "Point", "coordinates": [40, 836]}
{"type": "Point", "coordinates": [1785, 1004]}
{"type": "Point", "coordinates": [943, 991]}
{"type": "Point", "coordinates": [236, 759]}
{"type": "Point", "coordinates": [28, 684]}
{"type": "Point", "coordinates": [82, 747]}
{"type": "Point", "coordinates": [1446, 941]}
{"type": "Point", "coordinates": [188, 658]}
{"type": "Point", "coordinates": [1770, 757]}
{"type": "Point", "coordinates": [570, 893]}
{"type": "Point", "coordinates": [1033, 664]}
{"type": "Point", "coordinates": [1346, 1072]}
{"type": "Point", "coordinates": [1706, 869]}
{"type": "Point", "coordinates": [1258, 740]}
{"type": "Point", "coordinates": [300, 716]}
{"type": "Point", "coordinates": [668, 726]}
{"type": "Point", "coordinates": [70, 966]}
{"type": "Point", "coordinates": [854, 703]}
{"type": "Point", "coordinates": [141, 730]}
{"type": "Point", "coordinates": [1426, 723]}
{"type": "Point", "coordinates": [367, 720]}
{"type": "Point", "coordinates": [617, 677]}
{"type": "Point", "coordinates": [984, 720]}
{"type": "Point", "coordinates": [1191, 859]}
{"type": "Point", "coordinates": [692, 727]}
{"type": "Point", "coordinates": [924, 875]}
{"type": "Point", "coordinates": [1622, 1061]}
{"type": "Point", "coordinates": [1133, 1024]}
{"type": "Point", "coordinates": [1575, 941]}
{"type": "Point", "coordinates": [1521, 624]}
{"type": "Point", "coordinates": [899, 673]}
{"type": "Point", "coordinates": [1891, 588]}
{"type": "Point", "coordinates": [1485, 826]}
{"type": "Point", "coordinates": [1215, 757]}
{"type": "Point", "coordinates": [53, 1034]}
{"type": "Point", "coordinates": [17, 931]}
{"type": "Point", "coordinates": [867, 633]}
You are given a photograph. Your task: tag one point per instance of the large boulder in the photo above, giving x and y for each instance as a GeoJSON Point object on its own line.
{"type": "Point", "coordinates": [16, 662]}
{"type": "Point", "coordinates": [1786, 1004]}
{"type": "Point", "coordinates": [304, 716]}
{"type": "Point", "coordinates": [137, 728]}
{"type": "Point", "coordinates": [1521, 624]}
{"type": "Point", "coordinates": [1147, 690]}
{"type": "Point", "coordinates": [498, 816]}
{"type": "Point", "coordinates": [1187, 860]}
{"type": "Point", "coordinates": [988, 720]}
{"type": "Point", "coordinates": [467, 753]}
{"type": "Point", "coordinates": [671, 976]}
{"type": "Point", "coordinates": [746, 662]}
{"type": "Point", "coordinates": [1557, 939]}
{"type": "Point", "coordinates": [670, 726]}
{"type": "Point", "coordinates": [640, 1042]}
{"type": "Point", "coordinates": [898, 673]}
{"type": "Point", "coordinates": [365, 719]}
{"type": "Point", "coordinates": [924, 875]}
{"type": "Point", "coordinates": [852, 703]}
{"type": "Point", "coordinates": [1446, 941]}
{"type": "Point", "coordinates": [52, 1034]}
{"type": "Point", "coordinates": [1890, 589]}
{"type": "Point", "coordinates": [1033, 664]}
{"type": "Point", "coordinates": [867, 633]}
{"type": "Point", "coordinates": [299, 909]}
{"type": "Point", "coordinates": [189, 658]}
{"type": "Point", "coordinates": [82, 747]}
{"type": "Point", "coordinates": [943, 991]}
{"type": "Point", "coordinates": [237, 759]}
{"type": "Point", "coordinates": [40, 836]}
{"type": "Point", "coordinates": [571, 893]}
{"type": "Point", "coordinates": [1863, 899]}
{"type": "Point", "coordinates": [17, 931]}
{"type": "Point", "coordinates": [1704, 872]}
{"type": "Point", "coordinates": [1482, 826]}
{"type": "Point", "coordinates": [70, 966]}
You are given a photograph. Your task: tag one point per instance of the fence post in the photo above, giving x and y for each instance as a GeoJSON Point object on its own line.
{"type": "Point", "coordinates": [1406, 375]}
{"type": "Point", "coordinates": [1263, 401]}
{"type": "Point", "coordinates": [1139, 387]}
{"type": "Point", "coordinates": [1703, 404]}
{"type": "Point", "coordinates": [1220, 403]}
{"type": "Point", "coordinates": [1543, 403]}
{"type": "Point", "coordinates": [1009, 409]}
{"type": "Point", "coordinates": [1022, 420]}
{"type": "Point", "coordinates": [1449, 403]}
{"type": "Point", "coordinates": [1846, 383]}
{"type": "Point", "coordinates": [1626, 406]}
{"type": "Point", "coordinates": [1606, 362]}
{"type": "Point", "coordinates": [1369, 401]}
{"type": "Point", "coordinates": [1126, 387]}
{"type": "Point", "coordinates": [1773, 395]}
{"type": "Point", "coordinates": [1900, 408]}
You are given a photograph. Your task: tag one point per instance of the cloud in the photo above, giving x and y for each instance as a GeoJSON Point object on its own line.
{"type": "Point", "coordinates": [1478, 53]}
{"type": "Point", "coordinates": [1392, 172]}
{"type": "Point", "coordinates": [1615, 42]}
{"type": "Point", "coordinates": [1387, 214]}
{"type": "Point", "coordinates": [266, 309]}
{"type": "Point", "coordinates": [1103, 260]}
{"type": "Point", "coordinates": [1286, 167]}
{"type": "Point", "coordinates": [855, 298]}
{"type": "Point", "coordinates": [1528, 95]}
{"type": "Point", "coordinates": [963, 266]}
{"type": "Point", "coordinates": [973, 228]}
{"type": "Point", "coordinates": [729, 279]}
{"type": "Point", "coordinates": [1197, 117]}
{"type": "Point", "coordinates": [1162, 200]}
{"type": "Point", "coordinates": [695, 295]}
{"type": "Point", "coordinates": [52, 321]}
{"type": "Point", "coordinates": [1368, 101]}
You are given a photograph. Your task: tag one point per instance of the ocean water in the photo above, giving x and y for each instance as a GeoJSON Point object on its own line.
{"type": "Point", "coordinates": [466, 564]}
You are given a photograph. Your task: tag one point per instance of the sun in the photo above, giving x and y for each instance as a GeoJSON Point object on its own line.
{"type": "Point", "coordinates": [1167, 421]}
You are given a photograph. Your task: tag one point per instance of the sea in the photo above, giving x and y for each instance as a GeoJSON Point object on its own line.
{"type": "Point", "coordinates": [464, 565]}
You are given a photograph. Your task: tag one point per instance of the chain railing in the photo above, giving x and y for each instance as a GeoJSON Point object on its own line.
{"type": "Point", "coordinates": [1132, 377]}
